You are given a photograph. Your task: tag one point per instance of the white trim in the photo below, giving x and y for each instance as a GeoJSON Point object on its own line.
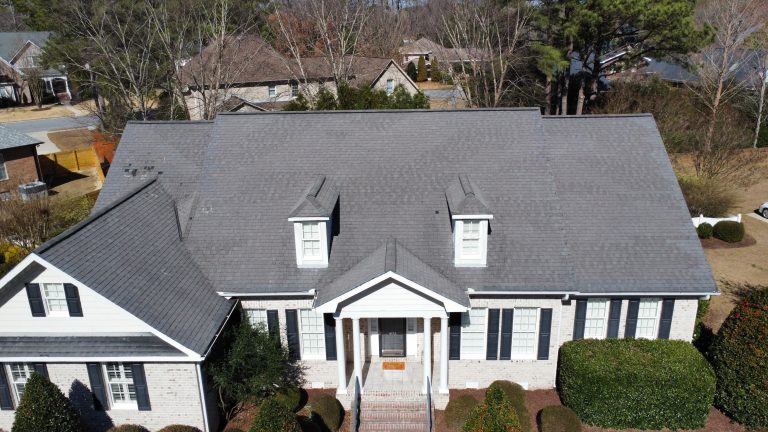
{"type": "Point", "coordinates": [203, 402]}
{"type": "Point", "coordinates": [449, 305]}
{"type": "Point", "coordinates": [98, 359]}
{"type": "Point", "coordinates": [474, 293]}
{"type": "Point", "coordinates": [309, 219]}
{"type": "Point", "coordinates": [473, 217]}
{"type": "Point", "coordinates": [229, 294]}
{"type": "Point", "coordinates": [321, 261]}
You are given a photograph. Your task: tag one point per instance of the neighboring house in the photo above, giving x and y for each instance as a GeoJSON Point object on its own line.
{"type": "Point", "coordinates": [18, 161]}
{"type": "Point", "coordinates": [258, 76]}
{"type": "Point", "coordinates": [412, 50]}
{"type": "Point", "coordinates": [19, 53]}
{"type": "Point", "coordinates": [468, 257]}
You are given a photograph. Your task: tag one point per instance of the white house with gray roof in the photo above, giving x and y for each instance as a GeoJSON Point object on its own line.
{"type": "Point", "coordinates": [409, 268]}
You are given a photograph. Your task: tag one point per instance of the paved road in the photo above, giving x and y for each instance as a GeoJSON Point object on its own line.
{"type": "Point", "coordinates": [52, 124]}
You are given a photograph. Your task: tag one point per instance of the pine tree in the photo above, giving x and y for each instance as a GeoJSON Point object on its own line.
{"type": "Point", "coordinates": [436, 74]}
{"type": "Point", "coordinates": [411, 70]}
{"type": "Point", "coordinates": [422, 75]}
{"type": "Point", "coordinates": [44, 408]}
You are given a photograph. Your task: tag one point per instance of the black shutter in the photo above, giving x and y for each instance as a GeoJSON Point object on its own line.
{"type": "Point", "coordinates": [506, 334]}
{"type": "Point", "coordinates": [273, 323]}
{"type": "Point", "coordinates": [41, 368]}
{"type": "Point", "coordinates": [667, 309]}
{"type": "Point", "coordinates": [581, 317]}
{"type": "Point", "coordinates": [292, 333]}
{"type": "Point", "coordinates": [454, 322]}
{"type": "Point", "coordinates": [35, 300]}
{"type": "Point", "coordinates": [632, 309]}
{"type": "Point", "coordinates": [140, 383]}
{"type": "Point", "coordinates": [330, 336]}
{"type": "Point", "coordinates": [545, 330]}
{"type": "Point", "coordinates": [73, 300]}
{"type": "Point", "coordinates": [6, 403]}
{"type": "Point", "coordinates": [97, 387]}
{"type": "Point", "coordinates": [492, 342]}
{"type": "Point", "coordinates": [614, 318]}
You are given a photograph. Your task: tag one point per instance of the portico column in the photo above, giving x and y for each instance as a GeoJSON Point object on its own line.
{"type": "Point", "coordinates": [356, 350]}
{"type": "Point", "coordinates": [427, 357]}
{"type": "Point", "coordinates": [444, 355]}
{"type": "Point", "coordinates": [340, 357]}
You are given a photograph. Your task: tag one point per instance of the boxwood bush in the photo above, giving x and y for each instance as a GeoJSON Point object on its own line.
{"type": "Point", "coordinates": [44, 408]}
{"type": "Point", "coordinates": [274, 416]}
{"type": "Point", "coordinates": [458, 409]}
{"type": "Point", "coordinates": [495, 414]}
{"type": "Point", "coordinates": [739, 355]}
{"type": "Point", "coordinates": [179, 428]}
{"type": "Point", "coordinates": [729, 231]}
{"type": "Point", "coordinates": [704, 230]}
{"type": "Point", "coordinates": [558, 418]}
{"type": "Point", "coordinates": [128, 428]}
{"type": "Point", "coordinates": [516, 395]}
{"type": "Point", "coordinates": [329, 410]}
{"type": "Point", "coordinates": [636, 383]}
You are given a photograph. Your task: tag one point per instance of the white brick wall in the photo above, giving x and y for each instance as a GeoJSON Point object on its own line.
{"type": "Point", "coordinates": [173, 395]}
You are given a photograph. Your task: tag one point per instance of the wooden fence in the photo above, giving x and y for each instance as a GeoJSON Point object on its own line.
{"type": "Point", "coordinates": [65, 163]}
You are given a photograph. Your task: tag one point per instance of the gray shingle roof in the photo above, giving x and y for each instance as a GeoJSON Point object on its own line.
{"type": "Point", "coordinates": [131, 253]}
{"type": "Point", "coordinates": [465, 198]}
{"type": "Point", "coordinates": [86, 346]}
{"type": "Point", "coordinates": [9, 139]}
{"type": "Point", "coordinates": [319, 200]}
{"type": "Point", "coordinates": [11, 42]}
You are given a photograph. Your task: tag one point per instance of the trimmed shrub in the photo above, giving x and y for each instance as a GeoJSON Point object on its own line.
{"type": "Point", "coordinates": [43, 408]}
{"type": "Point", "coordinates": [516, 395]}
{"type": "Point", "coordinates": [290, 397]}
{"type": "Point", "coordinates": [495, 414]}
{"type": "Point", "coordinates": [558, 418]}
{"type": "Point", "coordinates": [421, 74]}
{"type": "Point", "coordinates": [739, 355]}
{"type": "Point", "coordinates": [179, 428]}
{"type": "Point", "coordinates": [307, 425]}
{"type": "Point", "coordinates": [729, 231]}
{"type": "Point", "coordinates": [274, 417]}
{"type": "Point", "coordinates": [704, 230]}
{"type": "Point", "coordinates": [636, 383]}
{"type": "Point", "coordinates": [458, 409]}
{"type": "Point", "coordinates": [329, 411]}
{"type": "Point", "coordinates": [129, 428]}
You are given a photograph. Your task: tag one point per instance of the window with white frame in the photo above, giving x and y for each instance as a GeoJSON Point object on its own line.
{"type": "Point", "coordinates": [122, 392]}
{"type": "Point", "coordinates": [390, 86]}
{"type": "Point", "coordinates": [3, 171]}
{"type": "Point", "coordinates": [524, 325]}
{"type": "Point", "coordinates": [595, 324]}
{"type": "Point", "coordinates": [55, 299]}
{"type": "Point", "coordinates": [312, 331]}
{"type": "Point", "coordinates": [257, 317]}
{"type": "Point", "coordinates": [310, 240]}
{"type": "Point", "coordinates": [473, 333]}
{"type": "Point", "coordinates": [470, 242]}
{"type": "Point", "coordinates": [272, 91]}
{"type": "Point", "coordinates": [647, 318]}
{"type": "Point", "coordinates": [19, 373]}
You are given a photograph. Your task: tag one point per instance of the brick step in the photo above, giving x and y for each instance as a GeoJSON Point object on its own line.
{"type": "Point", "coordinates": [393, 427]}
{"type": "Point", "coordinates": [400, 416]}
{"type": "Point", "coordinates": [392, 405]}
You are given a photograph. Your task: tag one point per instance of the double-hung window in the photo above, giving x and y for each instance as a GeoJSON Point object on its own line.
{"type": "Point", "coordinates": [595, 324]}
{"type": "Point", "coordinates": [647, 318]}
{"type": "Point", "coordinates": [272, 91]}
{"type": "Point", "coordinates": [390, 86]}
{"type": "Point", "coordinates": [257, 317]}
{"type": "Point", "coordinates": [3, 171]}
{"type": "Point", "coordinates": [310, 241]}
{"type": "Point", "coordinates": [312, 330]}
{"type": "Point", "coordinates": [470, 244]}
{"type": "Point", "coordinates": [55, 299]}
{"type": "Point", "coordinates": [19, 373]}
{"type": "Point", "coordinates": [524, 325]}
{"type": "Point", "coordinates": [122, 392]}
{"type": "Point", "coordinates": [473, 325]}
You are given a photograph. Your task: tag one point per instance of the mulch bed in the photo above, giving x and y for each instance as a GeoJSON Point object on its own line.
{"type": "Point", "coordinates": [536, 400]}
{"type": "Point", "coordinates": [713, 243]}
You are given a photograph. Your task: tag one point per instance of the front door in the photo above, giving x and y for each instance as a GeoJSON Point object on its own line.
{"type": "Point", "coordinates": [392, 337]}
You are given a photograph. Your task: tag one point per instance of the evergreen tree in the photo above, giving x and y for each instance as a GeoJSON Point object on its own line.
{"type": "Point", "coordinates": [411, 70]}
{"type": "Point", "coordinates": [435, 68]}
{"type": "Point", "coordinates": [422, 74]}
{"type": "Point", "coordinates": [44, 408]}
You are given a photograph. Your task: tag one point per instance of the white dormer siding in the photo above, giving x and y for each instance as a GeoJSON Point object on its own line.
{"type": "Point", "coordinates": [470, 242]}
{"type": "Point", "coordinates": [311, 237]}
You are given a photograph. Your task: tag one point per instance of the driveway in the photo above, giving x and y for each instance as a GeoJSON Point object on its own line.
{"type": "Point", "coordinates": [52, 124]}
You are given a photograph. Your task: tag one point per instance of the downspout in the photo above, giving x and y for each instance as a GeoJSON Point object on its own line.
{"type": "Point", "coordinates": [203, 403]}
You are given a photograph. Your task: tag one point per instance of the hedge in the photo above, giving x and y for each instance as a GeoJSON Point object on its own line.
{"type": "Point", "coordinates": [290, 397]}
{"type": "Point", "coordinates": [739, 355]}
{"type": "Point", "coordinates": [495, 414]}
{"type": "Point", "coordinates": [274, 416]}
{"type": "Point", "coordinates": [179, 428]}
{"type": "Point", "coordinates": [129, 428]}
{"type": "Point", "coordinates": [516, 395]}
{"type": "Point", "coordinates": [44, 407]}
{"type": "Point", "coordinates": [458, 409]}
{"type": "Point", "coordinates": [329, 410]}
{"type": "Point", "coordinates": [558, 418]}
{"type": "Point", "coordinates": [636, 383]}
{"type": "Point", "coordinates": [704, 230]}
{"type": "Point", "coordinates": [729, 231]}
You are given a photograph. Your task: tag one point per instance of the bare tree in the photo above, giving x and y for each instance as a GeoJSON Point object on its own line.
{"type": "Point", "coordinates": [35, 84]}
{"type": "Point", "coordinates": [488, 37]}
{"type": "Point", "coordinates": [759, 80]}
{"type": "Point", "coordinates": [27, 224]}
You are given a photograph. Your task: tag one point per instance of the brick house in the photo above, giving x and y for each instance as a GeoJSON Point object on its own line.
{"type": "Point", "coordinates": [18, 161]}
{"type": "Point", "coordinates": [468, 256]}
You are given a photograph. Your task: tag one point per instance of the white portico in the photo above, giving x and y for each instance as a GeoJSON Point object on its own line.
{"type": "Point", "coordinates": [393, 306]}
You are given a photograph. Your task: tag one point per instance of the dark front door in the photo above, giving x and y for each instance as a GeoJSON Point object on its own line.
{"type": "Point", "coordinates": [392, 337]}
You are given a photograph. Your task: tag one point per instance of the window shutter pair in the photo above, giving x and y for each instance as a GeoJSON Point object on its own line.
{"type": "Point", "coordinates": [330, 336]}
{"type": "Point", "coordinates": [665, 321]}
{"type": "Point", "coordinates": [454, 326]}
{"type": "Point", "coordinates": [507, 315]}
{"type": "Point", "coordinates": [292, 333]}
{"type": "Point", "coordinates": [273, 323]}
{"type": "Point", "coordinates": [99, 390]}
{"type": "Point", "coordinates": [614, 316]}
{"type": "Point", "coordinates": [38, 308]}
{"type": "Point", "coordinates": [6, 402]}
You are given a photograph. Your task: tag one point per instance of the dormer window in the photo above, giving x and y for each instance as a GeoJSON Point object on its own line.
{"type": "Point", "coordinates": [470, 216]}
{"type": "Point", "coordinates": [312, 223]}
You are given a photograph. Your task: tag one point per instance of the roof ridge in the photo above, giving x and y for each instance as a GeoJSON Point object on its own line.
{"type": "Point", "coordinates": [94, 216]}
{"type": "Point", "coordinates": [548, 117]}
{"type": "Point", "coordinates": [387, 111]}
{"type": "Point", "coordinates": [156, 122]}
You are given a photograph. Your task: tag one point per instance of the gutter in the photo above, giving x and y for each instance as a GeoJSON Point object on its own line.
{"type": "Point", "coordinates": [567, 294]}
{"type": "Point", "coordinates": [203, 402]}
{"type": "Point", "coordinates": [229, 295]}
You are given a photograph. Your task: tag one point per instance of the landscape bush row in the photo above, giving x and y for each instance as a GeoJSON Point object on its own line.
{"type": "Point", "coordinates": [727, 231]}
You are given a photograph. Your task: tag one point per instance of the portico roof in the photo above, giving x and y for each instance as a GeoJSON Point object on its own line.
{"type": "Point", "coordinates": [391, 258]}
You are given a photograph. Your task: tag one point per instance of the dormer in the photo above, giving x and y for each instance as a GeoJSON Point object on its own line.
{"type": "Point", "coordinates": [470, 218]}
{"type": "Point", "coordinates": [312, 223]}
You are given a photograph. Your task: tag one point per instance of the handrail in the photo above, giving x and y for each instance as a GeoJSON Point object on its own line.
{"type": "Point", "coordinates": [429, 404]}
{"type": "Point", "coordinates": [355, 423]}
